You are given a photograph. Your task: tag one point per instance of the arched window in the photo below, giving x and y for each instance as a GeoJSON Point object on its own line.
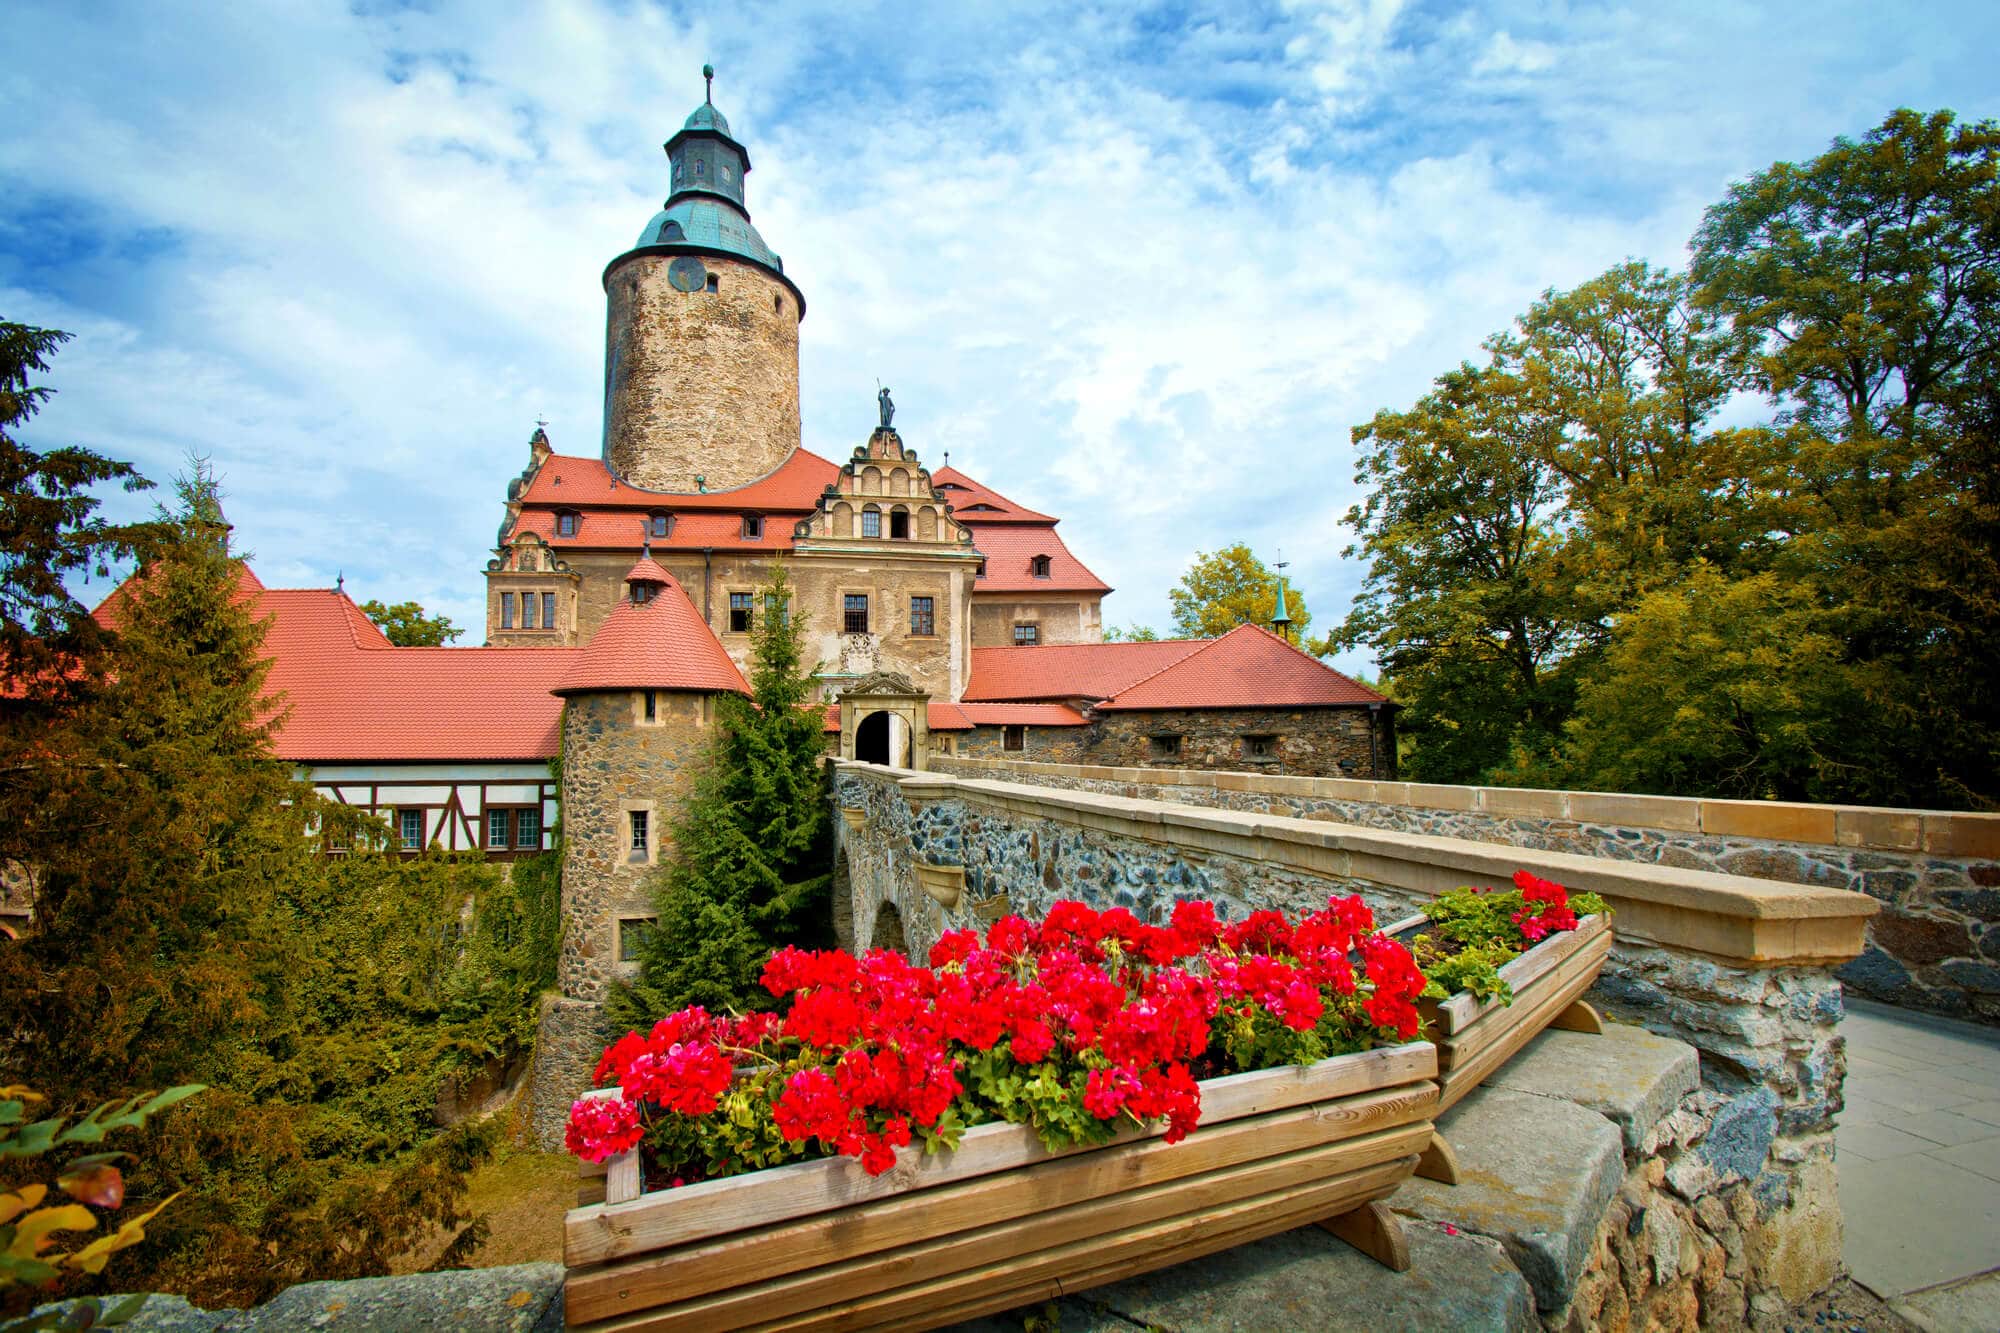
{"type": "Point", "coordinates": [671, 231]}
{"type": "Point", "coordinates": [871, 522]}
{"type": "Point", "coordinates": [659, 525]}
{"type": "Point", "coordinates": [568, 521]}
{"type": "Point", "coordinates": [1039, 567]}
{"type": "Point", "coordinates": [899, 524]}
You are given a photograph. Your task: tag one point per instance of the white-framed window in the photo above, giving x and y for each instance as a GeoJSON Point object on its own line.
{"type": "Point", "coordinates": [410, 830]}
{"type": "Point", "coordinates": [1027, 636]}
{"type": "Point", "coordinates": [639, 825]}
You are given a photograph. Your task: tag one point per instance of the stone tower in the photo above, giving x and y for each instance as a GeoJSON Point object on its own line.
{"type": "Point", "coordinates": [701, 356]}
{"type": "Point", "coordinates": [638, 707]}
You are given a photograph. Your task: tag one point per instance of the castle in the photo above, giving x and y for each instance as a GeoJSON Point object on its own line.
{"type": "Point", "coordinates": [621, 598]}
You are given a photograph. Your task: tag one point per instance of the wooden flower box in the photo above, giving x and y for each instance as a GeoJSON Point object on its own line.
{"type": "Point", "coordinates": [1474, 1037]}
{"type": "Point", "coordinates": [1001, 1222]}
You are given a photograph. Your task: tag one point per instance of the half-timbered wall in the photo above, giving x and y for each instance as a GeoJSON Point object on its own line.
{"type": "Point", "coordinates": [454, 802]}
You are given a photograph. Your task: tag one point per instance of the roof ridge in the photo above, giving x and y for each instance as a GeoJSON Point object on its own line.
{"type": "Point", "coordinates": [1104, 643]}
{"type": "Point", "coordinates": [1206, 644]}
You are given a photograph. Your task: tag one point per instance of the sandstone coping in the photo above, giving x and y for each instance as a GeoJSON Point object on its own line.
{"type": "Point", "coordinates": [1937, 832]}
{"type": "Point", "coordinates": [1732, 918]}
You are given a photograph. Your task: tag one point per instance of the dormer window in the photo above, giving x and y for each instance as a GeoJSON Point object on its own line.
{"type": "Point", "coordinates": [1039, 567]}
{"type": "Point", "coordinates": [671, 231]}
{"type": "Point", "coordinates": [567, 523]}
{"type": "Point", "coordinates": [642, 593]}
{"type": "Point", "coordinates": [659, 525]}
{"type": "Point", "coordinates": [753, 527]}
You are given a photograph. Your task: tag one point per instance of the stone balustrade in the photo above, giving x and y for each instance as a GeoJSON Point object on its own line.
{"type": "Point", "coordinates": [1739, 968]}
{"type": "Point", "coordinates": [1935, 945]}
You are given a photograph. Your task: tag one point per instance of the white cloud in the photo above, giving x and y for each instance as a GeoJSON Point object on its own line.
{"type": "Point", "coordinates": [1142, 274]}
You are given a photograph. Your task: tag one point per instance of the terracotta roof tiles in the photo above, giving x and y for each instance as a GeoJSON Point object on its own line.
{"type": "Point", "coordinates": [1069, 670]}
{"type": "Point", "coordinates": [1249, 667]}
{"type": "Point", "coordinates": [661, 643]}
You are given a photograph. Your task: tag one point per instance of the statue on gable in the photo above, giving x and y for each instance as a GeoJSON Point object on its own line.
{"type": "Point", "coordinates": [888, 407]}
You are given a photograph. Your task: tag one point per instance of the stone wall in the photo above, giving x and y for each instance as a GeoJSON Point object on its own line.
{"type": "Point", "coordinates": [1049, 745]}
{"type": "Point", "coordinates": [699, 384]}
{"type": "Point", "coordinates": [1319, 742]}
{"type": "Point", "coordinates": [1935, 945]}
{"type": "Point", "coordinates": [1720, 962]}
{"type": "Point", "coordinates": [1068, 618]}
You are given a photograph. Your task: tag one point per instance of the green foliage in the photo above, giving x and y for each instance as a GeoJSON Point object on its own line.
{"type": "Point", "coordinates": [1471, 935]}
{"type": "Point", "coordinates": [1229, 587]}
{"type": "Point", "coordinates": [186, 931]}
{"type": "Point", "coordinates": [1131, 634]}
{"type": "Point", "coordinates": [49, 645]}
{"type": "Point", "coordinates": [1580, 577]}
{"type": "Point", "coordinates": [28, 1227]}
{"type": "Point", "coordinates": [752, 845]}
{"type": "Point", "coordinates": [406, 625]}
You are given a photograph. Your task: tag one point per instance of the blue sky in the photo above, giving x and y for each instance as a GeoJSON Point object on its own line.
{"type": "Point", "coordinates": [1142, 267]}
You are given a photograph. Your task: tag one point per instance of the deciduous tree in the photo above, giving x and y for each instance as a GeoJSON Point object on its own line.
{"type": "Point", "coordinates": [407, 626]}
{"type": "Point", "coordinates": [1229, 587]}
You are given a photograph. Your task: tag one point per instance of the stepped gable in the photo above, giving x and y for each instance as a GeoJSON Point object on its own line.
{"type": "Point", "coordinates": [1249, 667]}
{"type": "Point", "coordinates": [1069, 670]}
{"type": "Point", "coordinates": [659, 643]}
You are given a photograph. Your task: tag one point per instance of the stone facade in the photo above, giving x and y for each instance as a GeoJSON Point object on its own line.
{"type": "Point", "coordinates": [1048, 745]}
{"type": "Point", "coordinates": [613, 764]}
{"type": "Point", "coordinates": [1934, 946]}
{"type": "Point", "coordinates": [1069, 618]}
{"type": "Point", "coordinates": [701, 388]}
{"type": "Point", "coordinates": [1322, 742]}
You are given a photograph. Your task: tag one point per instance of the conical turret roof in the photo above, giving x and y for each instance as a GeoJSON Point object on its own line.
{"type": "Point", "coordinates": [660, 643]}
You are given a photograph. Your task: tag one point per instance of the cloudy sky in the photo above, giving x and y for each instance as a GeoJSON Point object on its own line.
{"type": "Point", "coordinates": [1140, 266]}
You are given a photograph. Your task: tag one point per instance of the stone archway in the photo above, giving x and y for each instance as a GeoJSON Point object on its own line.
{"type": "Point", "coordinates": [889, 930]}
{"type": "Point", "coordinates": [895, 715]}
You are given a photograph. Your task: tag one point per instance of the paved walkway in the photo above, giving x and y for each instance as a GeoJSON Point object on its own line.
{"type": "Point", "coordinates": [1919, 1152]}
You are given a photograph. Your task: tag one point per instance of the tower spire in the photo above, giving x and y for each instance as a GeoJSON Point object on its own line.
{"type": "Point", "coordinates": [708, 80]}
{"type": "Point", "coordinates": [1281, 619]}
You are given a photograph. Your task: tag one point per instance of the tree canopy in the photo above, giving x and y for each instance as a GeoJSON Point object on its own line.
{"type": "Point", "coordinates": [1594, 562]}
{"type": "Point", "coordinates": [1228, 587]}
{"type": "Point", "coordinates": [407, 626]}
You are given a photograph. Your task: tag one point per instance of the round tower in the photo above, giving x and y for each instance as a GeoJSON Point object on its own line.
{"type": "Point", "coordinates": [701, 356]}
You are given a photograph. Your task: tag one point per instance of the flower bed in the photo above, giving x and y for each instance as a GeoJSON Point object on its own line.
{"type": "Point", "coordinates": [919, 1145]}
{"type": "Point", "coordinates": [1504, 966]}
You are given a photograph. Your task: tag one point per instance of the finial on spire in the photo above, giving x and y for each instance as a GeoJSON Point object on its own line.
{"type": "Point", "coordinates": [708, 78]}
{"type": "Point", "coordinates": [340, 581]}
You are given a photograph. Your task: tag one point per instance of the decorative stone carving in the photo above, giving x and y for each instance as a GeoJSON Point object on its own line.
{"type": "Point", "coordinates": [884, 682]}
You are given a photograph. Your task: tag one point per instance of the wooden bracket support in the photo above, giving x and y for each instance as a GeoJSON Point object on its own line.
{"type": "Point", "coordinates": [1579, 1017]}
{"type": "Point", "coordinates": [1438, 1162]}
{"type": "Point", "coordinates": [1376, 1231]}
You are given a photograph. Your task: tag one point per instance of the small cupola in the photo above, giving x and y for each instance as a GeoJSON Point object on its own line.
{"type": "Point", "coordinates": [705, 158]}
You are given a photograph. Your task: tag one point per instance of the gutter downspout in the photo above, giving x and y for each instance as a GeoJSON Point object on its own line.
{"type": "Point", "coordinates": [1374, 743]}
{"type": "Point", "coordinates": [707, 608]}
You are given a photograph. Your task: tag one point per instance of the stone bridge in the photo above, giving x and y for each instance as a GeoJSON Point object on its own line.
{"type": "Point", "coordinates": [1713, 1196]}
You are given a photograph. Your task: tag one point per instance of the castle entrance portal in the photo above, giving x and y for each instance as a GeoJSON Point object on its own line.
{"type": "Point", "coordinates": [883, 720]}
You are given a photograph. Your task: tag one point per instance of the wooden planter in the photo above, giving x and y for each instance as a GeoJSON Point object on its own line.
{"type": "Point", "coordinates": [1475, 1037]}
{"type": "Point", "coordinates": [1001, 1222]}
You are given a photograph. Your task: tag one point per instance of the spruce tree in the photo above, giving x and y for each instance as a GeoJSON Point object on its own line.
{"type": "Point", "coordinates": [752, 860]}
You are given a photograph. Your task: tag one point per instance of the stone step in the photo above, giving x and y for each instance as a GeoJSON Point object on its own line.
{"type": "Point", "coordinates": [1630, 1076]}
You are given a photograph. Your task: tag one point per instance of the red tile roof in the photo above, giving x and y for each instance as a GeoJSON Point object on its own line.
{"type": "Point", "coordinates": [659, 644]}
{"type": "Point", "coordinates": [622, 529]}
{"type": "Point", "coordinates": [351, 697]}
{"type": "Point", "coordinates": [1249, 667]}
{"type": "Point", "coordinates": [1069, 670]}
{"type": "Point", "coordinates": [1010, 549]}
{"type": "Point", "coordinates": [985, 504]}
{"type": "Point", "coordinates": [566, 482]}
{"type": "Point", "coordinates": [1032, 715]}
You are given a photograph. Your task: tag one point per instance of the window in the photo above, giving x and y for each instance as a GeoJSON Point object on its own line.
{"type": "Point", "coordinates": [336, 841]}
{"type": "Point", "coordinates": [548, 610]}
{"type": "Point", "coordinates": [753, 528]}
{"type": "Point", "coordinates": [740, 604]}
{"type": "Point", "coordinates": [1260, 747]}
{"type": "Point", "coordinates": [781, 612]}
{"type": "Point", "coordinates": [1014, 738]}
{"type": "Point", "coordinates": [714, 283]}
{"type": "Point", "coordinates": [499, 825]}
{"type": "Point", "coordinates": [1027, 636]}
{"type": "Point", "coordinates": [642, 593]}
{"type": "Point", "coordinates": [700, 167]}
{"type": "Point", "coordinates": [1039, 566]}
{"type": "Point", "coordinates": [632, 933]}
{"type": "Point", "coordinates": [980, 573]}
{"type": "Point", "coordinates": [506, 610]}
{"type": "Point", "coordinates": [652, 706]}
{"type": "Point", "coordinates": [854, 613]}
{"type": "Point", "coordinates": [777, 305]}
{"type": "Point", "coordinates": [566, 523]}
{"type": "Point", "coordinates": [659, 525]}
{"type": "Point", "coordinates": [410, 829]}
{"type": "Point", "coordinates": [899, 526]}
{"type": "Point", "coordinates": [527, 610]}
{"type": "Point", "coordinates": [871, 522]}
{"type": "Point", "coordinates": [528, 828]}
{"type": "Point", "coordinates": [1166, 747]}
{"type": "Point", "coordinates": [641, 833]}
{"type": "Point", "coordinates": [923, 616]}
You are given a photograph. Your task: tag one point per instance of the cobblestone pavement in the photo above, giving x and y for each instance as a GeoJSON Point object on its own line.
{"type": "Point", "coordinates": [1919, 1156]}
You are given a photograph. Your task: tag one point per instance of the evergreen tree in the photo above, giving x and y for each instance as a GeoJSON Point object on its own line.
{"type": "Point", "coordinates": [751, 866]}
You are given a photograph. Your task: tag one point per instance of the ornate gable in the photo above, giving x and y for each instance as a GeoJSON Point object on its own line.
{"type": "Point", "coordinates": [884, 495]}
